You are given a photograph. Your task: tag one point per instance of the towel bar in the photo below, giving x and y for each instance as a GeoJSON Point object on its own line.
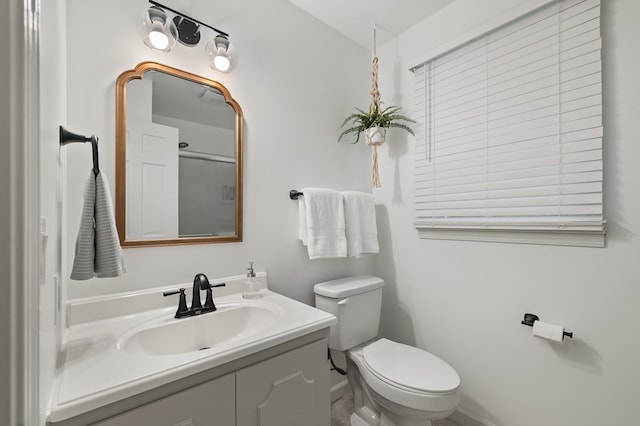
{"type": "Point", "coordinates": [294, 195]}
{"type": "Point", "coordinates": [69, 137]}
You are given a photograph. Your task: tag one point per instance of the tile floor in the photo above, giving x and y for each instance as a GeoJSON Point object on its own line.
{"type": "Point", "coordinates": [342, 408]}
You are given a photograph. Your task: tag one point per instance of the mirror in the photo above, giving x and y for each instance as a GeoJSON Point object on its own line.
{"type": "Point", "coordinates": [178, 158]}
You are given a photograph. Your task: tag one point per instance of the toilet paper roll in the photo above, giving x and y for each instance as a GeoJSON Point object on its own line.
{"type": "Point", "coordinates": [548, 331]}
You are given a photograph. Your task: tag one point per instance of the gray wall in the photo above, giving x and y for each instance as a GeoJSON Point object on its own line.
{"type": "Point", "coordinates": [5, 219]}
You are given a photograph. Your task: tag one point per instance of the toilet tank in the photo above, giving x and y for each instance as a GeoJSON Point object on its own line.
{"type": "Point", "coordinates": [356, 303]}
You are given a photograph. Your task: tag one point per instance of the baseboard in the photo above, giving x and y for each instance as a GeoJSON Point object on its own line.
{"type": "Point", "coordinates": [340, 389]}
{"type": "Point", "coordinates": [465, 418]}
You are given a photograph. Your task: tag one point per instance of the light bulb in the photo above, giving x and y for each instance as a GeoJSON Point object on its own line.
{"type": "Point", "coordinates": [157, 31]}
{"type": "Point", "coordinates": [222, 63]}
{"type": "Point", "coordinates": [219, 55]}
{"type": "Point", "coordinates": [157, 37]}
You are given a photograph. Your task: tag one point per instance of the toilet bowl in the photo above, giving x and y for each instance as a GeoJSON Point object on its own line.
{"type": "Point", "coordinates": [409, 386]}
{"type": "Point", "coordinates": [393, 384]}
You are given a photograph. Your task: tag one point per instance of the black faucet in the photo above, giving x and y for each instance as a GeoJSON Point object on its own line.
{"type": "Point", "coordinates": [200, 282]}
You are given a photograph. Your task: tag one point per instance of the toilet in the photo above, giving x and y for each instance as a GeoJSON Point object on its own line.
{"type": "Point", "coordinates": [393, 384]}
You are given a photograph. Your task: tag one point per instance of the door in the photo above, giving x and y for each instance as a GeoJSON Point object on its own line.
{"type": "Point", "coordinates": [152, 181]}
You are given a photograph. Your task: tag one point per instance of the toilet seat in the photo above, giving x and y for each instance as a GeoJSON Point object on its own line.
{"type": "Point", "coordinates": [409, 368]}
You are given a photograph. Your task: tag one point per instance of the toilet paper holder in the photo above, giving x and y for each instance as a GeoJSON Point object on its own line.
{"type": "Point", "coordinates": [529, 319]}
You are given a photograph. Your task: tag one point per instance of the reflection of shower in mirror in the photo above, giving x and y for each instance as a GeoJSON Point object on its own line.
{"type": "Point", "coordinates": [206, 210]}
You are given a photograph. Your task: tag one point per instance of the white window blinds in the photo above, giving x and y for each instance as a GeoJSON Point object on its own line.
{"type": "Point", "coordinates": [512, 130]}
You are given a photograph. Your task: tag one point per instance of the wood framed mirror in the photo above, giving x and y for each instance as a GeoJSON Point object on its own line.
{"type": "Point", "coordinates": [178, 158]}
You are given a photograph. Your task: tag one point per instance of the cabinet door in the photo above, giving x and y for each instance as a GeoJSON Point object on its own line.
{"type": "Point", "coordinates": [211, 403]}
{"type": "Point", "coordinates": [291, 389]}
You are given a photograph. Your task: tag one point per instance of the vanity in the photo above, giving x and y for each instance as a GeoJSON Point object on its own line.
{"type": "Point", "coordinates": [251, 362]}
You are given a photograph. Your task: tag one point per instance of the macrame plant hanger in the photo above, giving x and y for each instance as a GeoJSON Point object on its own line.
{"type": "Point", "coordinates": [375, 135]}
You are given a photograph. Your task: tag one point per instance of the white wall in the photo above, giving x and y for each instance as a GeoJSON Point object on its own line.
{"type": "Point", "coordinates": [52, 114]}
{"type": "Point", "coordinates": [464, 300]}
{"type": "Point", "coordinates": [295, 80]}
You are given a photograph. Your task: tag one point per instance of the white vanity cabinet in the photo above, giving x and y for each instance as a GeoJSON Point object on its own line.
{"type": "Point", "coordinates": [288, 390]}
{"type": "Point", "coordinates": [285, 386]}
{"type": "Point", "coordinates": [211, 403]}
{"type": "Point", "coordinates": [265, 364]}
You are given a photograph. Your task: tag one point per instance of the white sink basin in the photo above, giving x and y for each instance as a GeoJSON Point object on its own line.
{"type": "Point", "coordinates": [231, 323]}
{"type": "Point", "coordinates": [106, 361]}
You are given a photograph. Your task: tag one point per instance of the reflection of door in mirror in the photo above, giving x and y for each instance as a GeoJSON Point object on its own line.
{"type": "Point", "coordinates": [183, 158]}
{"type": "Point", "coordinates": [152, 169]}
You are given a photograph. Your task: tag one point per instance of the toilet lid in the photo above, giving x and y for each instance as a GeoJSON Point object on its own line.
{"type": "Point", "coordinates": [410, 367]}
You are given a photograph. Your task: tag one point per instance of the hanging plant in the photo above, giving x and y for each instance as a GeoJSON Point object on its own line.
{"type": "Point", "coordinates": [376, 121]}
{"type": "Point", "coordinates": [361, 120]}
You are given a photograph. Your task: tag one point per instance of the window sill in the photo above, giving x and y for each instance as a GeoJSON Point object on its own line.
{"type": "Point", "coordinates": [518, 236]}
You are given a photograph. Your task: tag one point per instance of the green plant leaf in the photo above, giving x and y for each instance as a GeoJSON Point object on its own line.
{"type": "Point", "coordinates": [356, 130]}
{"type": "Point", "coordinates": [403, 127]}
{"type": "Point", "coordinates": [349, 118]}
{"type": "Point", "coordinates": [362, 120]}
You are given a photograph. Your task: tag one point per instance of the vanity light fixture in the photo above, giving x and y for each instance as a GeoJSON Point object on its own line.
{"type": "Point", "coordinates": [160, 33]}
{"type": "Point", "coordinates": [218, 51]}
{"type": "Point", "coordinates": [157, 30]}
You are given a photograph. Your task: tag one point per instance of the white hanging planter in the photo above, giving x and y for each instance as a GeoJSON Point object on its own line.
{"type": "Point", "coordinates": [375, 135]}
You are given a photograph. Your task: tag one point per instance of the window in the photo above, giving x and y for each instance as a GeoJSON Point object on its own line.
{"type": "Point", "coordinates": [510, 146]}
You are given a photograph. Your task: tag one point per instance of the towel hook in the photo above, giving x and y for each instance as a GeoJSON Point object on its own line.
{"type": "Point", "coordinates": [294, 195]}
{"type": "Point", "coordinates": [67, 137]}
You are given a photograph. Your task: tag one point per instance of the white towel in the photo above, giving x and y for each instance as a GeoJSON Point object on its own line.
{"type": "Point", "coordinates": [98, 251]}
{"type": "Point", "coordinates": [321, 221]}
{"type": "Point", "coordinates": [360, 223]}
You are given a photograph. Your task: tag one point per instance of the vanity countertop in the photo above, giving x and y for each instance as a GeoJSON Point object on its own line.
{"type": "Point", "coordinates": [95, 371]}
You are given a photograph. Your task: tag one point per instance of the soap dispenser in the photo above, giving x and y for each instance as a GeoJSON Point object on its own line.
{"type": "Point", "coordinates": [251, 287]}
